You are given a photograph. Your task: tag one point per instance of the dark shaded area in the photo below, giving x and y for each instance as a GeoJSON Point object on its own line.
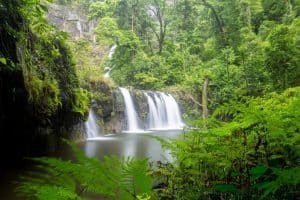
{"type": "Point", "coordinates": [14, 119]}
{"type": "Point", "coordinates": [23, 131]}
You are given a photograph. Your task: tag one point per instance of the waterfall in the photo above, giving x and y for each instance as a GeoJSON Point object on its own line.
{"type": "Point", "coordinates": [173, 112]}
{"type": "Point", "coordinates": [164, 112]}
{"type": "Point", "coordinates": [91, 127]}
{"type": "Point", "coordinates": [112, 51]}
{"type": "Point", "coordinates": [154, 114]}
{"type": "Point", "coordinates": [79, 28]}
{"type": "Point", "coordinates": [107, 71]}
{"type": "Point", "coordinates": [131, 114]}
{"type": "Point", "coordinates": [110, 55]}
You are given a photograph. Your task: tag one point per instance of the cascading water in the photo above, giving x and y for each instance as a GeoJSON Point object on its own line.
{"type": "Point", "coordinates": [173, 112]}
{"type": "Point", "coordinates": [131, 114]}
{"type": "Point", "coordinates": [110, 55]}
{"type": "Point", "coordinates": [107, 71]}
{"type": "Point", "coordinates": [79, 28]}
{"type": "Point", "coordinates": [112, 51]}
{"type": "Point", "coordinates": [154, 114]}
{"type": "Point", "coordinates": [91, 127]}
{"type": "Point", "coordinates": [164, 112]}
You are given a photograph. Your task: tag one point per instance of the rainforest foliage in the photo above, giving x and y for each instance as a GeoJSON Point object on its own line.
{"type": "Point", "coordinates": [246, 147]}
{"type": "Point", "coordinates": [254, 154]}
{"type": "Point", "coordinates": [31, 46]}
{"type": "Point", "coordinates": [245, 47]}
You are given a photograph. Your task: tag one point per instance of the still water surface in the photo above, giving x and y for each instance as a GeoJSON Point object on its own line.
{"type": "Point", "coordinates": [138, 145]}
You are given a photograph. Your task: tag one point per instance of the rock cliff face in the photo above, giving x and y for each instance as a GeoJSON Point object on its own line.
{"type": "Point", "coordinates": [72, 20]}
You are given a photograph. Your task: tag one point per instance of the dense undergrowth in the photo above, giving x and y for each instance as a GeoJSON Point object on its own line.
{"type": "Point", "coordinates": [248, 147]}
{"type": "Point", "coordinates": [254, 155]}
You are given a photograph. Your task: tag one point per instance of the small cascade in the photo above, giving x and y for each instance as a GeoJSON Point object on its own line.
{"type": "Point", "coordinates": [79, 28]}
{"type": "Point", "coordinates": [131, 114]}
{"type": "Point", "coordinates": [91, 127]}
{"type": "Point", "coordinates": [110, 55]}
{"type": "Point", "coordinates": [164, 112]}
{"type": "Point", "coordinates": [107, 71]}
{"type": "Point", "coordinates": [112, 51]}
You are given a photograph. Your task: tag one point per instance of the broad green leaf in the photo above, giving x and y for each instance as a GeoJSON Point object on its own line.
{"type": "Point", "coordinates": [258, 171]}
{"type": "Point", "coordinates": [226, 188]}
{"type": "Point", "coordinates": [3, 61]}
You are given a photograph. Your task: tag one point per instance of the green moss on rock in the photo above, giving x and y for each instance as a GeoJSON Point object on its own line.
{"type": "Point", "coordinates": [81, 101]}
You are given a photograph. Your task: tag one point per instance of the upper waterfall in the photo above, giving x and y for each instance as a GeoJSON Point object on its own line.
{"type": "Point", "coordinates": [112, 51]}
{"type": "Point", "coordinates": [79, 28]}
{"type": "Point", "coordinates": [110, 55]}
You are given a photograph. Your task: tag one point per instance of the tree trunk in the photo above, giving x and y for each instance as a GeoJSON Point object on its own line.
{"type": "Point", "coordinates": [204, 98]}
{"type": "Point", "coordinates": [219, 21]}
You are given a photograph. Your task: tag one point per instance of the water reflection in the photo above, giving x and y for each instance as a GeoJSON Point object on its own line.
{"type": "Point", "coordinates": [128, 144]}
{"type": "Point", "coordinates": [90, 149]}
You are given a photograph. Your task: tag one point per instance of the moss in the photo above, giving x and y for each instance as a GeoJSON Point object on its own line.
{"type": "Point", "coordinates": [188, 102]}
{"type": "Point", "coordinates": [141, 103]}
{"type": "Point", "coordinates": [44, 95]}
{"type": "Point", "coordinates": [103, 96]}
{"type": "Point", "coordinates": [81, 101]}
{"type": "Point", "coordinates": [88, 60]}
{"type": "Point", "coordinates": [49, 75]}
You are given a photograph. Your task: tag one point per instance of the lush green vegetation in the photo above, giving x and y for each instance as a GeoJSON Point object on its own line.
{"type": "Point", "coordinates": [243, 47]}
{"type": "Point", "coordinates": [254, 155]}
{"type": "Point", "coordinates": [111, 178]}
{"type": "Point", "coordinates": [247, 52]}
{"type": "Point", "coordinates": [43, 57]}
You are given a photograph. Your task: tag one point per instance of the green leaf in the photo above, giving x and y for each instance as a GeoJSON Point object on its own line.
{"type": "Point", "coordinates": [3, 61]}
{"type": "Point", "coordinates": [226, 188]}
{"type": "Point", "coordinates": [258, 171]}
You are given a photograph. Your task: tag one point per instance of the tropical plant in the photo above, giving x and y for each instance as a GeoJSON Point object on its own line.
{"type": "Point", "coordinates": [253, 155]}
{"type": "Point", "coordinates": [85, 178]}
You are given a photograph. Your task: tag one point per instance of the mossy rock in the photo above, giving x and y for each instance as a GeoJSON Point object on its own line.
{"type": "Point", "coordinates": [103, 96]}
{"type": "Point", "coordinates": [141, 103]}
{"type": "Point", "coordinates": [187, 102]}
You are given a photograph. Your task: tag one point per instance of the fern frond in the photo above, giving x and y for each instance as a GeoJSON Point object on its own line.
{"type": "Point", "coordinates": [61, 179]}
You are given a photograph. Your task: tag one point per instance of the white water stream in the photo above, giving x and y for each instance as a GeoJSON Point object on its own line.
{"type": "Point", "coordinates": [131, 114]}
{"type": "Point", "coordinates": [110, 55]}
{"type": "Point", "coordinates": [91, 127]}
{"type": "Point", "coordinates": [164, 112]}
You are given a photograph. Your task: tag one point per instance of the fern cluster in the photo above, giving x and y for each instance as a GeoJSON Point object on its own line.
{"type": "Point", "coordinates": [87, 178]}
{"type": "Point", "coordinates": [254, 155]}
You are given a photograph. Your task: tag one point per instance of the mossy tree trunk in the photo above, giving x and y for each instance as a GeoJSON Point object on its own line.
{"type": "Point", "coordinates": [204, 98]}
